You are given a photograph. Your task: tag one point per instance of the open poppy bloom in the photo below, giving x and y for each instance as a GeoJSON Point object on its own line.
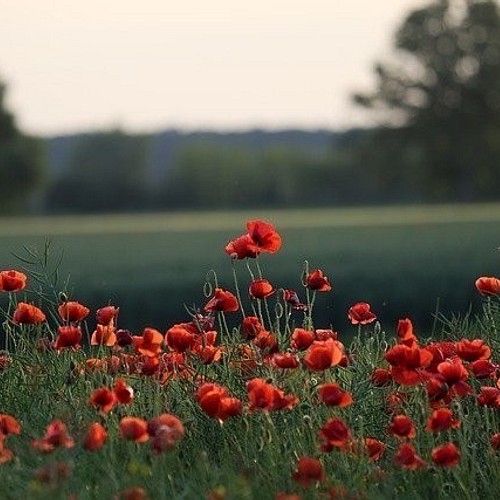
{"type": "Point", "coordinates": [166, 431]}
{"type": "Point", "coordinates": [302, 339]}
{"type": "Point", "coordinates": [216, 402]}
{"type": "Point", "coordinates": [103, 399]}
{"type": "Point", "coordinates": [242, 247]}
{"type": "Point", "coordinates": [374, 448]}
{"type": "Point", "coordinates": [322, 355]}
{"type": "Point", "coordinates": [73, 311]}
{"type": "Point", "coordinates": [332, 395]}
{"type": "Point", "coordinates": [472, 350]}
{"type": "Point", "coordinates": [68, 336]}
{"type": "Point", "coordinates": [317, 281]}
{"type": "Point", "coordinates": [56, 436]}
{"type": "Point", "coordinates": [402, 427]}
{"type": "Point", "coordinates": [264, 236]}
{"type": "Point", "coordinates": [265, 396]}
{"type": "Point", "coordinates": [309, 471]}
{"type": "Point", "coordinates": [180, 338]}
{"type": "Point", "coordinates": [104, 335]}
{"type": "Point", "coordinates": [12, 281]}
{"type": "Point", "coordinates": [28, 314]}
{"type": "Point", "coordinates": [95, 438]}
{"type": "Point", "coordinates": [441, 420]}
{"type": "Point", "coordinates": [260, 289]}
{"type": "Point", "coordinates": [334, 434]}
{"type": "Point", "coordinates": [124, 394]}
{"type": "Point", "coordinates": [251, 326]}
{"type": "Point", "coordinates": [360, 314]}
{"type": "Point", "coordinates": [150, 343]}
{"type": "Point", "coordinates": [222, 301]}
{"type": "Point", "coordinates": [285, 360]}
{"type": "Point", "coordinates": [488, 285]}
{"type": "Point", "coordinates": [408, 363]}
{"type": "Point", "coordinates": [134, 429]}
{"type": "Point", "coordinates": [106, 316]}
{"type": "Point", "coordinates": [407, 458]}
{"type": "Point", "coordinates": [8, 425]}
{"type": "Point", "coordinates": [446, 455]}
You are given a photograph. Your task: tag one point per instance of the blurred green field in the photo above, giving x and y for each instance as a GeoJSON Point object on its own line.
{"type": "Point", "coordinates": [400, 259]}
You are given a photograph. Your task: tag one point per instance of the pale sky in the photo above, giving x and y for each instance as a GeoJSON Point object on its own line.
{"type": "Point", "coordinates": [76, 65]}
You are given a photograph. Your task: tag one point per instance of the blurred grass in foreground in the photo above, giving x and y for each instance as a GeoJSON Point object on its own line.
{"type": "Point", "coordinates": [400, 259]}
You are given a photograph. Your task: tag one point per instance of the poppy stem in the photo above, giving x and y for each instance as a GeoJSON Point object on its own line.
{"type": "Point", "coordinates": [237, 288]}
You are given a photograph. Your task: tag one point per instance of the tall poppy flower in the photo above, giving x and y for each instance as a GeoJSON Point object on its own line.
{"type": "Point", "coordinates": [134, 429]}
{"type": "Point", "coordinates": [73, 311]}
{"type": "Point", "coordinates": [104, 335]}
{"type": "Point", "coordinates": [95, 437]}
{"type": "Point", "coordinates": [446, 455]}
{"type": "Point", "coordinates": [216, 402]}
{"type": "Point", "coordinates": [309, 471]}
{"type": "Point", "coordinates": [260, 289]}
{"type": "Point", "coordinates": [407, 458]}
{"type": "Point", "coordinates": [103, 399]}
{"type": "Point", "coordinates": [150, 343]}
{"type": "Point", "coordinates": [405, 333]}
{"type": "Point", "coordinates": [441, 420]}
{"type": "Point", "coordinates": [68, 336]}
{"type": "Point", "coordinates": [334, 434]}
{"type": "Point", "coordinates": [264, 236]}
{"type": "Point", "coordinates": [322, 355]}
{"type": "Point", "coordinates": [28, 314]}
{"type": "Point", "coordinates": [488, 285]}
{"type": "Point", "coordinates": [360, 314]}
{"type": "Point", "coordinates": [265, 396]}
{"type": "Point", "coordinates": [12, 281]}
{"type": "Point", "coordinates": [242, 247]}
{"type": "Point", "coordinates": [107, 315]}
{"type": "Point", "coordinates": [402, 427]}
{"type": "Point", "coordinates": [317, 281]}
{"type": "Point", "coordinates": [222, 301]}
{"type": "Point", "coordinates": [332, 395]}
{"type": "Point", "coordinates": [56, 436]}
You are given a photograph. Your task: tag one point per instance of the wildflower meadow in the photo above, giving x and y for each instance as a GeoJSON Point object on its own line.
{"type": "Point", "coordinates": [249, 397]}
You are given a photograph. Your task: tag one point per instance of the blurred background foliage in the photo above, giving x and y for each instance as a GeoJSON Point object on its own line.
{"type": "Point", "coordinates": [437, 100]}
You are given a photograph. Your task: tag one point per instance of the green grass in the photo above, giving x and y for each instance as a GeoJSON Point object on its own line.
{"type": "Point", "coordinates": [400, 259]}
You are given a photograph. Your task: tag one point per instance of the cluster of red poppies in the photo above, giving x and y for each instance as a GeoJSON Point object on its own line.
{"type": "Point", "coordinates": [446, 370]}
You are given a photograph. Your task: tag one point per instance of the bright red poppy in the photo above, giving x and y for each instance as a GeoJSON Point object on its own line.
{"type": "Point", "coordinates": [134, 429]}
{"type": "Point", "coordinates": [265, 396]}
{"type": "Point", "coordinates": [374, 448]}
{"type": "Point", "coordinates": [334, 434]}
{"type": "Point", "coordinates": [405, 333]}
{"type": "Point", "coordinates": [179, 338]}
{"type": "Point", "coordinates": [68, 336]}
{"type": "Point", "coordinates": [73, 311]}
{"type": "Point", "coordinates": [216, 402]}
{"type": "Point", "coordinates": [442, 420]}
{"type": "Point", "coordinates": [104, 335]}
{"type": "Point", "coordinates": [407, 458]}
{"type": "Point", "coordinates": [285, 360]}
{"type": "Point", "coordinates": [12, 281]}
{"type": "Point", "coordinates": [361, 314]}
{"type": "Point", "coordinates": [472, 350]}
{"type": "Point", "coordinates": [446, 455]}
{"type": "Point", "coordinates": [150, 343]}
{"type": "Point", "coordinates": [103, 399]}
{"type": "Point", "coordinates": [402, 427]}
{"type": "Point", "coordinates": [264, 235]}
{"type": "Point", "coordinates": [251, 326]}
{"type": "Point", "coordinates": [242, 247]}
{"type": "Point", "coordinates": [222, 301]}
{"type": "Point", "coordinates": [322, 355]}
{"type": "Point", "coordinates": [317, 281]}
{"type": "Point", "coordinates": [488, 285]}
{"type": "Point", "coordinates": [309, 471]}
{"type": "Point", "coordinates": [56, 436]}
{"type": "Point", "coordinates": [28, 314]}
{"type": "Point", "coordinates": [8, 425]}
{"type": "Point", "coordinates": [107, 315]}
{"type": "Point", "coordinates": [95, 437]}
{"type": "Point", "coordinates": [302, 339]}
{"type": "Point", "coordinates": [332, 395]}
{"type": "Point", "coordinates": [124, 394]}
{"type": "Point", "coordinates": [260, 289]}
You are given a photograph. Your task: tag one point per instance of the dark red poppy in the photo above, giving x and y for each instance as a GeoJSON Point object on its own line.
{"type": "Point", "coordinates": [374, 448]}
{"type": "Point", "coordinates": [222, 301]}
{"type": "Point", "coordinates": [242, 247]}
{"type": "Point", "coordinates": [402, 427]}
{"type": "Point", "coordinates": [317, 281]}
{"type": "Point", "coordinates": [251, 326]}
{"type": "Point", "coordinates": [483, 368]}
{"type": "Point", "coordinates": [446, 455]}
{"type": "Point", "coordinates": [381, 377]}
{"type": "Point", "coordinates": [95, 437]}
{"type": "Point", "coordinates": [107, 315]}
{"type": "Point", "coordinates": [265, 396]}
{"type": "Point", "coordinates": [488, 285]}
{"type": "Point", "coordinates": [264, 236]}
{"type": "Point", "coordinates": [285, 360]}
{"type": "Point", "coordinates": [334, 434]}
{"type": "Point", "coordinates": [331, 394]}
{"type": "Point", "coordinates": [124, 394]}
{"type": "Point", "coordinates": [103, 399]}
{"type": "Point", "coordinates": [216, 402]}
{"type": "Point", "coordinates": [291, 297]}
{"type": "Point", "coordinates": [302, 339]}
{"type": "Point", "coordinates": [27, 314]}
{"type": "Point", "coordinates": [134, 429]}
{"type": "Point", "coordinates": [309, 471]}
{"type": "Point", "coordinates": [472, 350]}
{"type": "Point", "coordinates": [441, 420]}
{"type": "Point", "coordinates": [361, 314]}
{"type": "Point", "coordinates": [267, 342]}
{"type": "Point", "coordinates": [260, 289]}
{"type": "Point", "coordinates": [12, 281]}
{"type": "Point", "coordinates": [489, 396]}
{"type": "Point", "coordinates": [407, 458]}
{"type": "Point", "coordinates": [452, 371]}
{"type": "Point", "coordinates": [322, 355]}
{"type": "Point", "coordinates": [73, 311]}
{"type": "Point", "coordinates": [68, 336]}
{"type": "Point", "coordinates": [495, 441]}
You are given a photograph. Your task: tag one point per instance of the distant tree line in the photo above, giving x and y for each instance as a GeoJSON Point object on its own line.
{"type": "Point", "coordinates": [438, 140]}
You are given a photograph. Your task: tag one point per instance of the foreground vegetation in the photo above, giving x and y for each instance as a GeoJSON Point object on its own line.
{"type": "Point", "coordinates": [250, 396]}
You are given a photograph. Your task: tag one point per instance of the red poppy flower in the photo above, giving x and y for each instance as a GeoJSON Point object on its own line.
{"type": "Point", "coordinates": [8, 425]}
{"type": "Point", "coordinates": [452, 371]}
{"type": "Point", "coordinates": [331, 394]}
{"type": "Point", "coordinates": [291, 297]}
{"type": "Point", "coordinates": [405, 333]}
{"type": "Point", "coordinates": [266, 342]}
{"type": "Point", "coordinates": [483, 368]}
{"type": "Point", "coordinates": [216, 402]}
{"type": "Point", "coordinates": [104, 335]}
{"type": "Point", "coordinates": [285, 360]}
{"type": "Point", "coordinates": [68, 336]}
{"type": "Point", "coordinates": [402, 427]}
{"type": "Point", "coordinates": [134, 429]}
{"type": "Point", "coordinates": [446, 455]}
{"type": "Point", "coordinates": [317, 281]}
{"type": "Point", "coordinates": [103, 399]}
{"type": "Point", "coordinates": [73, 311]}
{"type": "Point", "coordinates": [407, 363]}
{"type": "Point", "coordinates": [27, 314]}
{"type": "Point", "coordinates": [407, 457]}
{"type": "Point", "coordinates": [472, 350]}
{"type": "Point", "coordinates": [334, 434]}
{"type": "Point", "coordinates": [179, 338]}
{"type": "Point", "coordinates": [6, 455]}
{"type": "Point", "coordinates": [322, 355]}
{"type": "Point", "coordinates": [95, 438]}
{"type": "Point", "coordinates": [12, 281]}
{"type": "Point", "coordinates": [251, 326]}
{"type": "Point", "coordinates": [260, 289]}
{"type": "Point", "coordinates": [441, 420]}
{"type": "Point", "coordinates": [124, 394]}
{"type": "Point", "coordinates": [489, 396]}
{"type": "Point", "coordinates": [488, 285]}
{"type": "Point", "coordinates": [360, 314]}
{"type": "Point", "coordinates": [56, 436]}
{"type": "Point", "coordinates": [265, 396]}
{"type": "Point", "coordinates": [309, 471]}
{"type": "Point", "coordinates": [381, 377]}
{"type": "Point", "coordinates": [150, 343]}
{"type": "Point", "coordinates": [302, 339]}
{"type": "Point", "coordinates": [495, 441]}
{"type": "Point", "coordinates": [107, 315]}
{"type": "Point", "coordinates": [166, 431]}
{"type": "Point", "coordinates": [374, 448]}
{"type": "Point", "coordinates": [264, 236]}
{"type": "Point", "coordinates": [222, 301]}
{"type": "Point", "coordinates": [242, 247]}
{"type": "Point", "coordinates": [325, 334]}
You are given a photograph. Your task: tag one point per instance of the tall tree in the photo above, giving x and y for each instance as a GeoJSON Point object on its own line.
{"type": "Point", "coordinates": [442, 102]}
{"type": "Point", "coordinates": [22, 162]}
